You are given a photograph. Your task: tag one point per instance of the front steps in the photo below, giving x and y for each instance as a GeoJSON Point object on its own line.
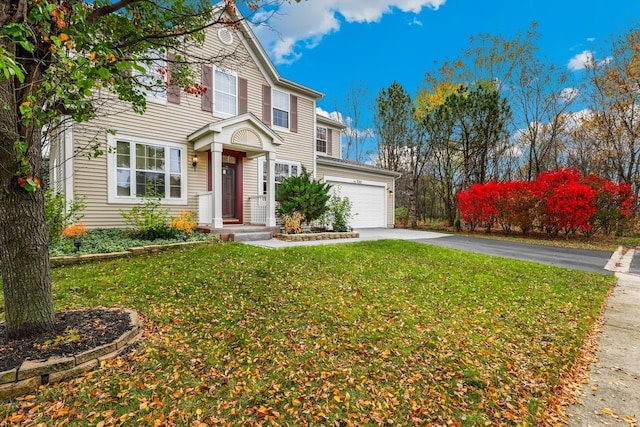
{"type": "Point", "coordinates": [241, 233]}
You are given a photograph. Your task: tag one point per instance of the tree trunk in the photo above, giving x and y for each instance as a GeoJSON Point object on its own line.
{"type": "Point", "coordinates": [24, 257]}
{"type": "Point", "coordinates": [24, 246]}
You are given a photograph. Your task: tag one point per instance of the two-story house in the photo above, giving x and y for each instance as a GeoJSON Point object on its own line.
{"type": "Point", "coordinates": [221, 154]}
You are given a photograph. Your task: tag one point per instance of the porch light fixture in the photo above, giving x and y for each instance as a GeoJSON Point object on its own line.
{"type": "Point", "coordinates": [194, 161]}
{"type": "Point", "coordinates": [390, 193]}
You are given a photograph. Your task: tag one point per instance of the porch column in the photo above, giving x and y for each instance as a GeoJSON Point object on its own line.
{"type": "Point", "coordinates": [271, 189]}
{"type": "Point", "coordinates": [216, 184]}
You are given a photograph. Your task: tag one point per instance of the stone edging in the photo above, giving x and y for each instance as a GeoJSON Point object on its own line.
{"type": "Point", "coordinates": [303, 237]}
{"type": "Point", "coordinates": [77, 259]}
{"type": "Point", "coordinates": [32, 374]}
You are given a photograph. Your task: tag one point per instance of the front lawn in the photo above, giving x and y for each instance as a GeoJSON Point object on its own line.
{"type": "Point", "coordinates": [371, 333]}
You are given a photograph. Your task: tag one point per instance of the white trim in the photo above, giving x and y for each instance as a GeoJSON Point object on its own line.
{"type": "Point", "coordinates": [355, 181]}
{"type": "Point", "coordinates": [217, 113]}
{"type": "Point", "coordinates": [158, 96]}
{"type": "Point", "coordinates": [326, 140]}
{"type": "Point", "coordinates": [112, 168]}
{"type": "Point", "coordinates": [68, 161]}
{"type": "Point", "coordinates": [273, 125]}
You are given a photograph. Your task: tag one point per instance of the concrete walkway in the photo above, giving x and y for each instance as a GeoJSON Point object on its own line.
{"type": "Point", "coordinates": [612, 394]}
{"type": "Point", "coordinates": [365, 235]}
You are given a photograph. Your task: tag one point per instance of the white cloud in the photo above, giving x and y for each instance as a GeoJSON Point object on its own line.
{"type": "Point", "coordinates": [580, 60]}
{"type": "Point", "coordinates": [569, 94]}
{"type": "Point", "coordinates": [297, 26]}
{"type": "Point", "coordinates": [334, 115]}
{"type": "Point", "coordinates": [591, 39]}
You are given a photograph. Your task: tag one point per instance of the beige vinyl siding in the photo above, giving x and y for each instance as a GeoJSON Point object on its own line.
{"type": "Point", "coordinates": [172, 123]}
{"type": "Point", "coordinates": [336, 137]}
{"type": "Point", "coordinates": [332, 171]}
{"type": "Point", "coordinates": [335, 143]}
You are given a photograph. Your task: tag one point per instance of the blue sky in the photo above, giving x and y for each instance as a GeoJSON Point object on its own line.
{"type": "Point", "coordinates": [329, 44]}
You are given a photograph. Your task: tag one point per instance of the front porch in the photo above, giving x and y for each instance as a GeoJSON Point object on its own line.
{"type": "Point", "coordinates": [258, 210]}
{"type": "Point", "coordinates": [230, 145]}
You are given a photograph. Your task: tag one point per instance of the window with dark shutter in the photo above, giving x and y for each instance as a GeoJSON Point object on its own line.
{"type": "Point", "coordinates": [207, 85]}
{"type": "Point", "coordinates": [243, 98]}
{"type": "Point", "coordinates": [329, 142]}
{"type": "Point", "coordinates": [266, 105]}
{"type": "Point", "coordinates": [294, 113]}
{"type": "Point", "coordinates": [173, 90]}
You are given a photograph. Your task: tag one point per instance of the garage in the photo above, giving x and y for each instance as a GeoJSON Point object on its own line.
{"type": "Point", "coordinates": [369, 203]}
{"type": "Point", "coordinates": [369, 188]}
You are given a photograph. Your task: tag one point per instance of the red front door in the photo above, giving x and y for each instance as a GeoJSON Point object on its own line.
{"type": "Point", "coordinates": [232, 162]}
{"type": "Point", "coordinates": [229, 192]}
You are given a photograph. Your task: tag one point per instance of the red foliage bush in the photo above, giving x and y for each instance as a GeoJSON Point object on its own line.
{"type": "Point", "coordinates": [556, 201]}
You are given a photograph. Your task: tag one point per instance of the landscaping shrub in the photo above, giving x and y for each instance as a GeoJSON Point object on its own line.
{"type": "Point", "coordinates": [304, 195]}
{"type": "Point", "coordinates": [339, 212]}
{"type": "Point", "coordinates": [59, 213]}
{"type": "Point", "coordinates": [556, 201]}
{"type": "Point", "coordinates": [185, 222]}
{"type": "Point", "coordinates": [148, 220]}
{"type": "Point", "coordinates": [401, 216]}
{"type": "Point", "coordinates": [292, 223]}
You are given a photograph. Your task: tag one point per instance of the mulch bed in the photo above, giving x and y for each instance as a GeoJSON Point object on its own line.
{"type": "Point", "coordinates": [74, 332]}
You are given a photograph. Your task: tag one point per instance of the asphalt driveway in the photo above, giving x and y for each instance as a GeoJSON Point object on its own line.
{"type": "Point", "coordinates": [580, 259]}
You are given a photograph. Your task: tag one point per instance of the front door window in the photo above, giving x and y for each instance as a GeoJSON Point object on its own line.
{"type": "Point", "coordinates": [229, 191]}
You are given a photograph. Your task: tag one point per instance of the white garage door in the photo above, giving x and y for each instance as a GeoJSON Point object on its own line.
{"type": "Point", "coordinates": [368, 203]}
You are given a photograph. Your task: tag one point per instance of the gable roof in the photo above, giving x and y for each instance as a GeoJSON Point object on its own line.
{"type": "Point", "coordinates": [330, 122]}
{"type": "Point", "coordinates": [350, 164]}
{"type": "Point", "coordinates": [255, 47]}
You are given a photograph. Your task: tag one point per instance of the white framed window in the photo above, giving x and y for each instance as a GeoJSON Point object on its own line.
{"type": "Point", "coordinates": [154, 78]}
{"type": "Point", "coordinates": [283, 170]}
{"type": "Point", "coordinates": [226, 92]}
{"type": "Point", "coordinates": [280, 109]}
{"type": "Point", "coordinates": [140, 166]}
{"type": "Point", "coordinates": [321, 139]}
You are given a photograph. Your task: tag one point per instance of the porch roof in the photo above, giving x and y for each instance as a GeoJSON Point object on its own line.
{"type": "Point", "coordinates": [244, 133]}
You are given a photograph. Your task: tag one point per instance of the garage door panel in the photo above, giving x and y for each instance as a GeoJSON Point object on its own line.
{"type": "Point", "coordinates": [368, 203]}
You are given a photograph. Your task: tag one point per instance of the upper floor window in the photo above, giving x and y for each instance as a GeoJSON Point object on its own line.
{"type": "Point", "coordinates": [226, 93]}
{"type": "Point", "coordinates": [321, 139]}
{"type": "Point", "coordinates": [280, 108]}
{"type": "Point", "coordinates": [143, 168]}
{"type": "Point", "coordinates": [152, 79]}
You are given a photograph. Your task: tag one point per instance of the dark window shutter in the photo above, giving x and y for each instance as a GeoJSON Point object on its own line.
{"type": "Point", "coordinates": [243, 99]}
{"type": "Point", "coordinates": [207, 85]}
{"type": "Point", "coordinates": [173, 90]}
{"type": "Point", "coordinates": [329, 142]}
{"type": "Point", "coordinates": [293, 105]}
{"type": "Point", "coordinates": [266, 105]}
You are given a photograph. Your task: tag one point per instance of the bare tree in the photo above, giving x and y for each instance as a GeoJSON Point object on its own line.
{"type": "Point", "coordinates": [359, 132]}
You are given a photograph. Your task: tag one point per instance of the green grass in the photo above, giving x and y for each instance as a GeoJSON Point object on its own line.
{"type": "Point", "coordinates": [386, 332]}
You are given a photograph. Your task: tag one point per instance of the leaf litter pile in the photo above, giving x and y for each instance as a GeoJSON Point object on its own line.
{"type": "Point", "coordinates": [372, 333]}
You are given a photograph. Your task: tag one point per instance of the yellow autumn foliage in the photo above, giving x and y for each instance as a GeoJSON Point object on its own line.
{"type": "Point", "coordinates": [185, 222]}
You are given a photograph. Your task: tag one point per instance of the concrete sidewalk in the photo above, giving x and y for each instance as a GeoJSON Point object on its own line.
{"type": "Point", "coordinates": [612, 394]}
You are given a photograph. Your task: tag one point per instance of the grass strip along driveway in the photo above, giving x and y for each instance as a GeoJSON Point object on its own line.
{"type": "Point", "coordinates": [386, 332]}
